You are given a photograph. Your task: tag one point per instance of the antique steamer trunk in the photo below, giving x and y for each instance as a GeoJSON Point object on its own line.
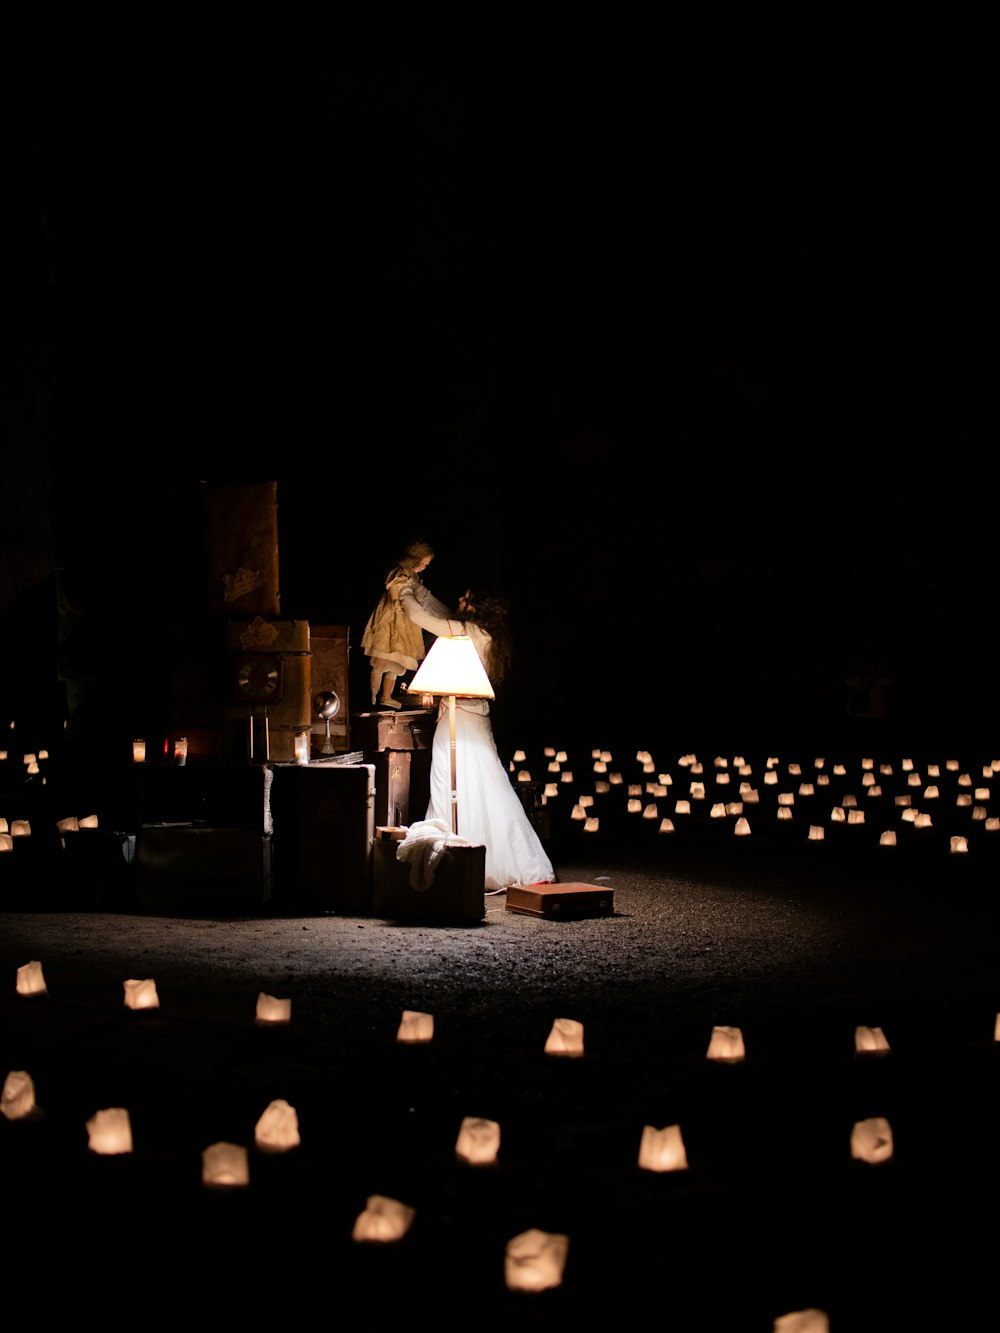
{"type": "Point", "coordinates": [457, 894]}
{"type": "Point", "coordinates": [182, 868]}
{"type": "Point", "coordinates": [405, 729]}
{"type": "Point", "coordinates": [561, 902]}
{"type": "Point", "coordinates": [402, 785]}
{"type": "Point", "coordinates": [324, 826]}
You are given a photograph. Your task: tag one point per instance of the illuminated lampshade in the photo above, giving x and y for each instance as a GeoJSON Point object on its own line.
{"type": "Point", "coordinates": [823, 780]}
{"type": "Point", "coordinates": [666, 825]}
{"type": "Point", "coordinates": [871, 1140]}
{"type": "Point", "coordinates": [6, 842]}
{"type": "Point", "coordinates": [885, 770]}
{"type": "Point", "coordinates": [110, 1131]}
{"type": "Point", "coordinates": [751, 796]}
{"type": "Point", "coordinates": [30, 980]}
{"type": "Point", "coordinates": [272, 1010]}
{"type": "Point", "coordinates": [565, 1038]}
{"type": "Point", "coordinates": [606, 756]}
{"type": "Point", "coordinates": [869, 1039]}
{"type": "Point", "coordinates": [89, 821]}
{"type": "Point", "coordinates": [696, 767]}
{"type": "Point", "coordinates": [933, 770]}
{"type": "Point", "coordinates": [874, 791]}
{"type": "Point", "coordinates": [685, 760]}
{"type": "Point", "coordinates": [662, 1149]}
{"type": "Point", "coordinates": [635, 789]}
{"type": "Point", "coordinates": [909, 815]}
{"type": "Point", "coordinates": [867, 764]}
{"type": "Point", "coordinates": [478, 1141]}
{"type": "Point", "coordinates": [383, 1220]}
{"type": "Point", "coordinates": [415, 1027]}
{"type": "Point", "coordinates": [718, 810]}
{"type": "Point", "coordinates": [18, 1097]}
{"type": "Point", "coordinates": [549, 752]}
{"type": "Point", "coordinates": [979, 812]}
{"type": "Point", "coordinates": [225, 1164]}
{"type": "Point", "coordinates": [817, 833]}
{"type": "Point", "coordinates": [535, 1260]}
{"type": "Point", "coordinates": [914, 780]}
{"type": "Point", "coordinates": [277, 1130]}
{"type": "Point", "coordinates": [642, 757]}
{"type": "Point", "coordinates": [904, 801]}
{"type": "Point", "coordinates": [720, 761]}
{"type": "Point", "coordinates": [682, 808]}
{"type": "Point", "coordinates": [959, 843]}
{"type": "Point", "coordinates": [802, 1321]}
{"type": "Point", "coordinates": [600, 766]}
{"type": "Point", "coordinates": [888, 838]}
{"type": "Point", "coordinates": [20, 828]}
{"type": "Point", "coordinates": [992, 824]}
{"type": "Point", "coordinates": [141, 994]}
{"type": "Point", "coordinates": [651, 812]}
{"type": "Point", "coordinates": [592, 824]}
{"type": "Point", "coordinates": [69, 825]}
{"type": "Point", "coordinates": [726, 1044]}
{"type": "Point", "coordinates": [697, 791]}
{"type": "Point", "coordinates": [665, 779]}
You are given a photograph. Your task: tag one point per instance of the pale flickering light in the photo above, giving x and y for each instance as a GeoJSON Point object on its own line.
{"type": "Point", "coordinates": [685, 760]}
{"type": "Point", "coordinates": [773, 761]}
{"type": "Point", "coordinates": [18, 1097]}
{"type": "Point", "coordinates": [964, 780]}
{"type": "Point", "coordinates": [734, 808]}
{"type": "Point", "coordinates": [951, 765]}
{"type": "Point", "coordinates": [888, 838]}
{"type": "Point", "coordinates": [595, 754]}
{"type": "Point", "coordinates": [849, 801]}
{"type": "Point", "coordinates": [718, 810]}
{"type": "Point", "coordinates": [738, 761]}
{"type": "Point", "coordinates": [909, 815]}
{"type": "Point", "coordinates": [615, 779]}
{"type": "Point", "coordinates": [650, 811]}
{"type": "Point", "coordinates": [3, 754]}
{"type": "Point", "coordinates": [586, 801]}
{"type": "Point", "coordinates": [720, 761]}
{"type": "Point", "coordinates": [302, 744]}
{"type": "Point", "coordinates": [868, 780]}
{"type": "Point", "coordinates": [141, 994]}
{"type": "Point", "coordinates": [110, 1131]}
{"type": "Point", "coordinates": [6, 842]}
{"type": "Point", "coordinates": [867, 764]}
{"type": "Point", "coordinates": [634, 805]}
{"type": "Point", "coordinates": [89, 821]}
{"type": "Point", "coordinates": [904, 801]}
{"type": "Point", "coordinates": [553, 767]}
{"type": "Point", "coordinates": [819, 763]}
{"type": "Point", "coordinates": [535, 1260]}
{"type": "Point", "coordinates": [592, 824]}
{"type": "Point", "coordinates": [29, 759]}
{"type": "Point", "coordinates": [871, 1140]}
{"type": "Point", "coordinates": [383, 1220]}
{"type": "Point", "coordinates": [600, 766]}
{"type": "Point", "coordinates": [907, 765]}
{"type": "Point", "coordinates": [69, 825]}
{"type": "Point", "coordinates": [823, 780]}
{"type": "Point", "coordinates": [662, 1149]}
{"type": "Point", "coordinates": [817, 833]}
{"type": "Point", "coordinates": [415, 1027]}
{"type": "Point", "coordinates": [721, 779]}
{"type": "Point", "coordinates": [139, 752]}
{"type": "Point", "coordinates": [786, 798]}
{"type": "Point", "coordinates": [751, 796]}
{"type": "Point", "coordinates": [524, 775]}
{"type": "Point", "coordinates": [602, 788]}
{"type": "Point", "coordinates": [771, 778]}
{"type": "Point", "coordinates": [642, 757]}
{"type": "Point", "coordinates": [923, 820]}
{"type": "Point", "coordinates": [869, 1039]}
{"type": "Point", "coordinates": [665, 779]}
{"type": "Point", "coordinates": [933, 770]}
{"type": "Point", "coordinates": [795, 770]}
{"type": "Point", "coordinates": [635, 789]}
{"type": "Point", "coordinates": [578, 812]}
{"type": "Point", "coordinates": [561, 757]}
{"type": "Point", "coordinates": [566, 776]}
{"type": "Point", "coordinates": [811, 1320]}
{"type": "Point", "coordinates": [746, 770]}
{"type": "Point", "coordinates": [549, 752]}
{"type": "Point", "coordinates": [20, 828]}
{"type": "Point", "coordinates": [697, 791]}
{"type": "Point", "coordinates": [565, 1038]}
{"type": "Point", "coordinates": [272, 1010]}
{"type": "Point", "coordinates": [839, 771]}
{"type": "Point", "coordinates": [726, 1044]}
{"type": "Point", "coordinates": [874, 792]}
{"type": "Point", "coordinates": [963, 798]}
{"type": "Point", "coordinates": [979, 812]}
{"type": "Point", "coordinates": [606, 756]}
{"type": "Point", "coordinates": [837, 815]}
{"type": "Point", "coordinates": [551, 789]}
{"type": "Point", "coordinates": [33, 769]}
{"type": "Point", "coordinates": [806, 789]}
{"type": "Point", "coordinates": [682, 807]}
{"type": "Point", "coordinates": [855, 816]}
{"type": "Point", "coordinates": [742, 827]}
{"type": "Point", "coordinates": [992, 824]}
{"type": "Point", "coordinates": [667, 825]}
{"type": "Point", "coordinates": [4, 828]}
{"type": "Point", "coordinates": [885, 770]}
{"type": "Point", "coordinates": [982, 793]}
{"type": "Point", "coordinates": [225, 1164]}
{"type": "Point", "coordinates": [277, 1130]}
{"type": "Point", "coordinates": [519, 756]}
{"type": "Point", "coordinates": [30, 980]}
{"type": "Point", "coordinates": [784, 812]}
{"type": "Point", "coordinates": [478, 1141]}
{"type": "Point", "coordinates": [914, 780]}
{"type": "Point", "coordinates": [697, 768]}
{"type": "Point", "coordinates": [959, 843]}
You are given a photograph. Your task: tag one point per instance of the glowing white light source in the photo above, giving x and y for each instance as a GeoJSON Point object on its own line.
{"type": "Point", "coordinates": [682, 808]}
{"type": "Point", "coordinates": [907, 765]}
{"type": "Point", "coordinates": [578, 812]}
{"type": "Point", "coordinates": [923, 820]}
{"type": "Point", "coordinates": [139, 752]}
{"type": "Point", "coordinates": [30, 979]}
{"type": "Point", "coordinates": [650, 811]}
{"type": "Point", "coordinates": [141, 994]}
{"type": "Point", "coordinates": [837, 815]}
{"type": "Point", "coordinates": [592, 824]}
{"type": "Point", "coordinates": [959, 843]}
{"type": "Point", "coordinates": [666, 825]}
{"type": "Point", "coordinates": [519, 756]}
{"type": "Point", "coordinates": [726, 1043]}
{"type": "Point", "coordinates": [741, 828]}
{"type": "Point", "coordinates": [662, 1149]}
{"type": "Point", "coordinates": [272, 1010]}
{"type": "Point", "coordinates": [634, 805]}
{"type": "Point", "coordinates": [869, 1039]}
{"type": "Point", "coordinates": [553, 767]}
{"type": "Point", "coordinates": [561, 757]}
{"type": "Point", "coordinates": [524, 775]}
{"type": "Point", "coordinates": [225, 1164]}
{"type": "Point", "coordinates": [871, 1140]}
{"type": "Point", "coordinates": [6, 842]}
{"type": "Point", "coordinates": [277, 1130]}
{"type": "Point", "coordinates": [888, 838]}
{"type": "Point", "coordinates": [415, 1027]}
{"type": "Point", "coordinates": [20, 828]}
{"type": "Point", "coordinates": [855, 816]}
{"type": "Point", "coordinates": [383, 1220]}
{"type": "Point", "coordinates": [817, 833]}
{"type": "Point", "coordinates": [565, 1038]}
{"type": "Point", "coordinates": [535, 1260]}
{"type": "Point", "coordinates": [718, 810]}
{"type": "Point", "coordinates": [18, 1097]}
{"type": "Point", "coordinates": [110, 1131]}
{"type": "Point", "coordinates": [478, 1141]}
{"type": "Point", "coordinates": [551, 789]}
{"type": "Point", "coordinates": [784, 812]}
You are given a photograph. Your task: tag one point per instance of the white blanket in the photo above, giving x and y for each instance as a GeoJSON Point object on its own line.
{"type": "Point", "coordinates": [422, 847]}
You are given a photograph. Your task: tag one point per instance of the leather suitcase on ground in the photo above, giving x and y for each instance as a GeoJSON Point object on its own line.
{"type": "Point", "coordinates": [561, 902]}
{"type": "Point", "coordinates": [324, 826]}
{"type": "Point", "coordinates": [406, 729]}
{"type": "Point", "coordinates": [402, 785]}
{"type": "Point", "coordinates": [457, 895]}
{"type": "Point", "coordinates": [185, 868]}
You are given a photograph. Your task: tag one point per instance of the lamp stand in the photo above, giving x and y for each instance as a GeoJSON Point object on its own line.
{"type": "Point", "coordinates": [454, 771]}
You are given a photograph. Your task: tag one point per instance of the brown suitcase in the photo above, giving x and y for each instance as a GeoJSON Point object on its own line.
{"type": "Point", "coordinates": [407, 729]}
{"type": "Point", "coordinates": [456, 896]}
{"type": "Point", "coordinates": [561, 902]}
{"type": "Point", "coordinates": [402, 785]}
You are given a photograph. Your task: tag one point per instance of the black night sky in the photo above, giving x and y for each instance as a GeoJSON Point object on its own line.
{"type": "Point", "coordinates": [678, 326]}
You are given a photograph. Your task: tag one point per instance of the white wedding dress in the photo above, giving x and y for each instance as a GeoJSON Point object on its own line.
{"type": "Point", "coordinates": [489, 810]}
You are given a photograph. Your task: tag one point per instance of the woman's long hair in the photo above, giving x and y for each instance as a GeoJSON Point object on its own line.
{"type": "Point", "coordinates": [491, 613]}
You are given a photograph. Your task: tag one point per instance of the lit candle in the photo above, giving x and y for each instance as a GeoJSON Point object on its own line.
{"type": "Point", "coordinates": [139, 752]}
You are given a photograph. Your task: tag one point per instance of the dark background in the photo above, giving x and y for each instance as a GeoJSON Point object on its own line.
{"type": "Point", "coordinates": [680, 330]}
